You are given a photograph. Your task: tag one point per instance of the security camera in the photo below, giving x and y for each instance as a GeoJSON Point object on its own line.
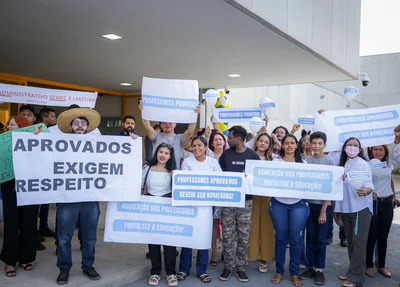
{"type": "Point", "coordinates": [364, 79]}
{"type": "Point", "coordinates": [227, 91]}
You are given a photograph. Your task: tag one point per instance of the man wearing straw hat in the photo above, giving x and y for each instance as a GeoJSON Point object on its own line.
{"type": "Point", "coordinates": [77, 121]}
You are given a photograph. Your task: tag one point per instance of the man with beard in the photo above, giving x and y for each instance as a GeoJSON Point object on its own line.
{"type": "Point", "coordinates": [77, 121]}
{"type": "Point", "coordinates": [48, 116]}
{"type": "Point", "coordinates": [128, 125]}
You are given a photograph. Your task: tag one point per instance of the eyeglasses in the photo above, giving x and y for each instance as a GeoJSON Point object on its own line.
{"type": "Point", "coordinates": [81, 122]}
{"type": "Point", "coordinates": [166, 145]}
{"type": "Point", "coordinates": [275, 150]}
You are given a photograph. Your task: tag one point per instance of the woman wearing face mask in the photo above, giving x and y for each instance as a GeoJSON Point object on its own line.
{"type": "Point", "coordinates": [157, 182]}
{"type": "Point", "coordinates": [19, 242]}
{"type": "Point", "coordinates": [262, 240]}
{"type": "Point", "coordinates": [217, 145]}
{"type": "Point", "coordinates": [356, 212]}
{"type": "Point", "coordinates": [384, 200]}
{"type": "Point", "coordinates": [200, 162]}
{"type": "Point", "coordinates": [289, 216]}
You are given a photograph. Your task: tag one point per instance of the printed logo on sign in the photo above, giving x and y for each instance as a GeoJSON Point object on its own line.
{"type": "Point", "coordinates": [209, 195]}
{"type": "Point", "coordinates": [169, 103]}
{"type": "Point", "coordinates": [367, 134]}
{"type": "Point", "coordinates": [358, 175]}
{"type": "Point", "coordinates": [267, 105]}
{"type": "Point", "coordinates": [351, 90]}
{"type": "Point", "coordinates": [306, 121]}
{"type": "Point", "coordinates": [164, 228]}
{"type": "Point", "coordinates": [257, 123]}
{"type": "Point", "coordinates": [157, 209]}
{"type": "Point", "coordinates": [367, 118]}
{"type": "Point", "coordinates": [300, 180]}
{"type": "Point", "coordinates": [243, 115]}
{"type": "Point", "coordinates": [379, 165]}
{"type": "Point", "coordinates": [206, 180]}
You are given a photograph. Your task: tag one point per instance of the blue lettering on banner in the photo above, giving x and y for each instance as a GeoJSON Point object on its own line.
{"type": "Point", "coordinates": [367, 134]}
{"type": "Point", "coordinates": [154, 227]}
{"type": "Point", "coordinates": [240, 115]}
{"type": "Point", "coordinates": [267, 105]}
{"type": "Point", "coordinates": [367, 118]}
{"type": "Point", "coordinates": [293, 179]}
{"type": "Point", "coordinates": [358, 175]}
{"type": "Point", "coordinates": [207, 195]}
{"type": "Point", "coordinates": [350, 90]}
{"type": "Point", "coordinates": [157, 209]}
{"type": "Point", "coordinates": [379, 165]}
{"type": "Point", "coordinates": [208, 180]}
{"type": "Point", "coordinates": [169, 103]}
{"type": "Point", "coordinates": [306, 121]}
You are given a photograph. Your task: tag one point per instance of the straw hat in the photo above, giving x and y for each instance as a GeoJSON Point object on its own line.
{"type": "Point", "coordinates": [65, 118]}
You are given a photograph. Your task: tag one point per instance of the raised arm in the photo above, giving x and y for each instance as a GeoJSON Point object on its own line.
{"type": "Point", "coordinates": [190, 130]}
{"type": "Point", "coordinates": [151, 133]}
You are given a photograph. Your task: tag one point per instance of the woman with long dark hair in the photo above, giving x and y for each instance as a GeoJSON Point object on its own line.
{"type": "Point", "coordinates": [157, 181]}
{"type": "Point", "coordinates": [262, 240]}
{"type": "Point", "coordinates": [289, 216]}
{"type": "Point", "coordinates": [356, 212]}
{"type": "Point", "coordinates": [19, 243]}
{"type": "Point", "coordinates": [384, 199]}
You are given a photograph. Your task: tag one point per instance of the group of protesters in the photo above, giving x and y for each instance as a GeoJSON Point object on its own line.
{"type": "Point", "coordinates": [262, 230]}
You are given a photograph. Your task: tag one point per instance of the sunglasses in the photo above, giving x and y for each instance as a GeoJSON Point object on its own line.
{"type": "Point", "coordinates": [275, 150]}
{"type": "Point", "coordinates": [82, 123]}
{"type": "Point", "coordinates": [167, 145]}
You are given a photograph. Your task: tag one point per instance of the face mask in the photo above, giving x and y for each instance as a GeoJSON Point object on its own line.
{"type": "Point", "coordinates": [274, 156]}
{"type": "Point", "coordinates": [352, 151]}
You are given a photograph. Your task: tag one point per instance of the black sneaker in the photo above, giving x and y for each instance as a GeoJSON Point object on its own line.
{"type": "Point", "coordinates": [62, 278]}
{"type": "Point", "coordinates": [47, 232]}
{"type": "Point", "coordinates": [308, 274]}
{"type": "Point", "coordinates": [329, 241]}
{"type": "Point", "coordinates": [39, 237]}
{"type": "Point", "coordinates": [319, 278]}
{"type": "Point", "coordinates": [225, 275]}
{"type": "Point", "coordinates": [241, 275]}
{"type": "Point", "coordinates": [343, 243]}
{"type": "Point", "coordinates": [91, 273]}
{"type": "Point", "coordinates": [40, 246]}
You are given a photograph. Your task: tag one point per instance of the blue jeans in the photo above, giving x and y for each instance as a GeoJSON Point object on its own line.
{"type": "Point", "coordinates": [289, 222]}
{"type": "Point", "coordinates": [43, 216]}
{"type": "Point", "coordinates": [67, 215]}
{"type": "Point", "coordinates": [185, 263]}
{"type": "Point", "coordinates": [303, 258]}
{"type": "Point", "coordinates": [317, 236]}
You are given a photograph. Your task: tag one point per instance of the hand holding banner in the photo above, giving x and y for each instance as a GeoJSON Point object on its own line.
{"type": "Point", "coordinates": [201, 188]}
{"type": "Point", "coordinates": [154, 220]}
{"type": "Point", "coordinates": [294, 180]}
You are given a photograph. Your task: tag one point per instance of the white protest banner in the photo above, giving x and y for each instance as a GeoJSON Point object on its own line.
{"type": "Point", "coordinates": [373, 126]}
{"type": "Point", "coordinates": [294, 180]}
{"type": "Point", "coordinates": [154, 220]}
{"type": "Point", "coordinates": [235, 115]}
{"type": "Point", "coordinates": [201, 188]}
{"type": "Point", "coordinates": [54, 168]}
{"type": "Point", "coordinates": [46, 97]}
{"type": "Point", "coordinates": [173, 101]}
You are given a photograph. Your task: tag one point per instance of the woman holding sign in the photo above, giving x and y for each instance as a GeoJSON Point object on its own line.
{"type": "Point", "coordinates": [199, 162]}
{"type": "Point", "coordinates": [355, 209]}
{"type": "Point", "coordinates": [289, 216]}
{"type": "Point", "coordinates": [383, 203]}
{"type": "Point", "coordinates": [19, 243]}
{"type": "Point", "coordinates": [156, 179]}
{"type": "Point", "coordinates": [261, 238]}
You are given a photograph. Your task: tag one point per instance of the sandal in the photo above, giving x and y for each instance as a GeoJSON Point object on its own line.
{"type": "Point", "coordinates": [296, 281]}
{"type": "Point", "coordinates": [154, 280]}
{"type": "Point", "coordinates": [172, 280]}
{"type": "Point", "coordinates": [181, 276]}
{"type": "Point", "coordinates": [277, 278]}
{"type": "Point", "coordinates": [213, 263]}
{"type": "Point", "coordinates": [205, 278]}
{"type": "Point", "coordinates": [385, 272]}
{"type": "Point", "coordinates": [26, 267]}
{"type": "Point", "coordinates": [348, 284]}
{"type": "Point", "coordinates": [263, 267]}
{"type": "Point", "coordinates": [10, 271]}
{"type": "Point", "coordinates": [343, 277]}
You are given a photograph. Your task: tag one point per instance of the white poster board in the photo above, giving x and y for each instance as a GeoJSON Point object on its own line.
{"type": "Point", "coordinates": [46, 97]}
{"type": "Point", "coordinates": [153, 220]}
{"type": "Point", "coordinates": [373, 126]}
{"type": "Point", "coordinates": [173, 101]}
{"type": "Point", "coordinates": [202, 188]}
{"type": "Point", "coordinates": [294, 180]}
{"type": "Point", "coordinates": [53, 168]}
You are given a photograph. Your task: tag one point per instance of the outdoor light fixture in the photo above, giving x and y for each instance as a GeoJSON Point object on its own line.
{"type": "Point", "coordinates": [126, 84]}
{"type": "Point", "coordinates": [111, 37]}
{"type": "Point", "coordinates": [234, 75]}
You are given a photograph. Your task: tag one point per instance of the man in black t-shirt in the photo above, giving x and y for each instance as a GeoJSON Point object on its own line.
{"type": "Point", "coordinates": [236, 221]}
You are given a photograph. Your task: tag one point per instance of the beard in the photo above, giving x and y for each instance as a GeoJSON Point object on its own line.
{"type": "Point", "coordinates": [128, 130]}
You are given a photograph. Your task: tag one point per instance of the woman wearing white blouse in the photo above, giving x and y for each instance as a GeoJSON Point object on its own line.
{"type": "Point", "coordinates": [356, 212]}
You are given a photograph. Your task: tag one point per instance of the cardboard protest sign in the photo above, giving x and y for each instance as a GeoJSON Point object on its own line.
{"type": "Point", "coordinates": [54, 168]}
